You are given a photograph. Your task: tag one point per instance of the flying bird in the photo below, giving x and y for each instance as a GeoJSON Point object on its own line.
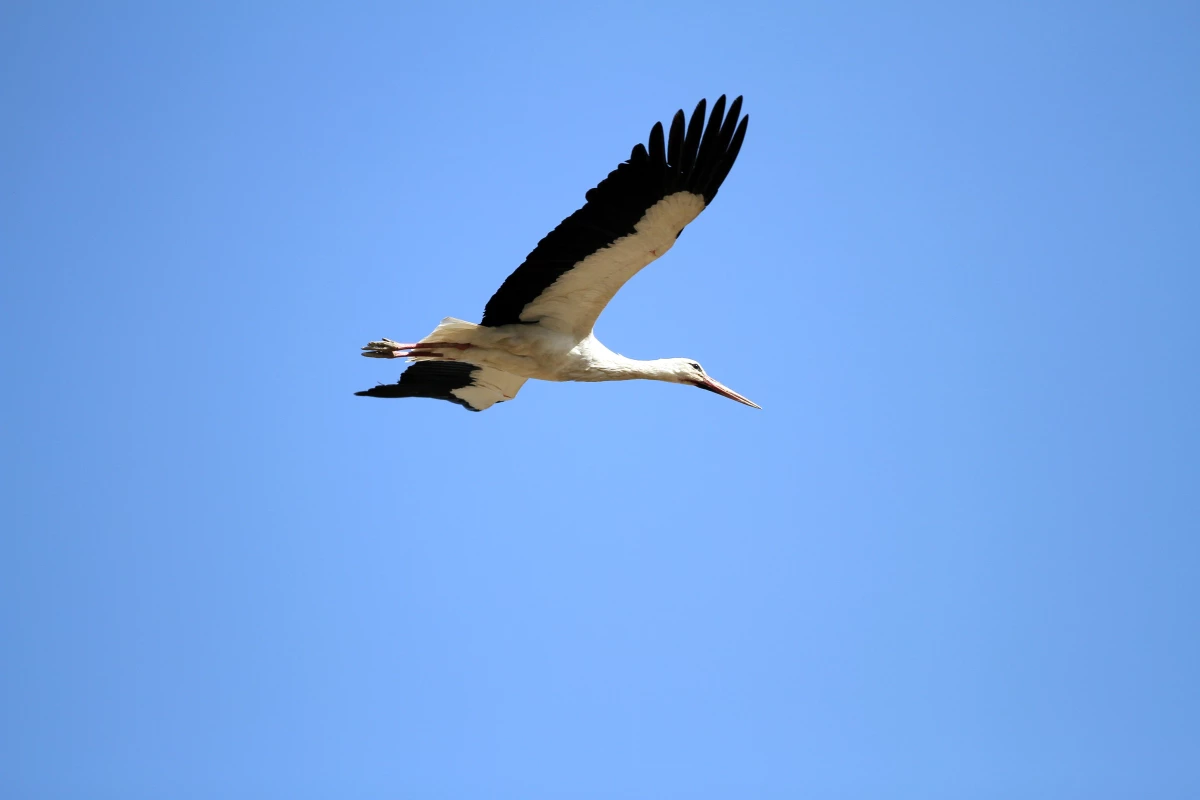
{"type": "Point", "coordinates": [539, 323]}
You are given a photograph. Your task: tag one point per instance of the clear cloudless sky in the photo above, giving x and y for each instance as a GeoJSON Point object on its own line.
{"type": "Point", "coordinates": [954, 556]}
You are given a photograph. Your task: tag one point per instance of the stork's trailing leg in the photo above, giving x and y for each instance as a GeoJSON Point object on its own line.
{"type": "Point", "coordinates": [386, 348]}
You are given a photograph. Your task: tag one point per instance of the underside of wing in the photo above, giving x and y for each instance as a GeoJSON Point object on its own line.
{"type": "Point", "coordinates": [471, 386]}
{"type": "Point", "coordinates": [630, 219]}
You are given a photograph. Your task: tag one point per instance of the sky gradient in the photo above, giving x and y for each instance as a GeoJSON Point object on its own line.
{"type": "Point", "coordinates": [955, 555]}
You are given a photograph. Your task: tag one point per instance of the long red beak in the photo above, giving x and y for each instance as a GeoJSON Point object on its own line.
{"type": "Point", "coordinates": [724, 391]}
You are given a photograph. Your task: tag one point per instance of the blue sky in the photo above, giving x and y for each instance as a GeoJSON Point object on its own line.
{"type": "Point", "coordinates": [954, 556]}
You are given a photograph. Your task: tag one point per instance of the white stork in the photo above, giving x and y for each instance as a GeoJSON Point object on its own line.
{"type": "Point", "coordinates": [539, 324]}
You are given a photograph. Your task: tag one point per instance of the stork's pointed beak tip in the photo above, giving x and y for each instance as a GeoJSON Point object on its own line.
{"type": "Point", "coordinates": [723, 390]}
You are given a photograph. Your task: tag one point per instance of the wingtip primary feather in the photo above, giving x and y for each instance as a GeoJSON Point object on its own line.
{"type": "Point", "coordinates": [675, 145]}
{"type": "Point", "coordinates": [726, 162]}
{"type": "Point", "coordinates": [691, 144]}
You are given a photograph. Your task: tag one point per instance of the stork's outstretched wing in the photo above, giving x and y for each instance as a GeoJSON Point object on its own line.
{"type": "Point", "coordinates": [471, 386]}
{"type": "Point", "coordinates": [630, 219]}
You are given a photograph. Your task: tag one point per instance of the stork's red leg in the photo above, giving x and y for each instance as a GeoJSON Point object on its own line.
{"type": "Point", "coordinates": [386, 348]}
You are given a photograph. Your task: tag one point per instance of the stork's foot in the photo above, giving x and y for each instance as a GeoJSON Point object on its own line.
{"type": "Point", "coordinates": [386, 348]}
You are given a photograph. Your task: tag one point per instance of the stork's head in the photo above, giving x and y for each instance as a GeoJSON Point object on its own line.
{"type": "Point", "coordinates": [688, 371]}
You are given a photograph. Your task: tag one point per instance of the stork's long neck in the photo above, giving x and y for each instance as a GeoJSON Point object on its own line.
{"type": "Point", "coordinates": [605, 365]}
{"type": "Point", "coordinates": [628, 369]}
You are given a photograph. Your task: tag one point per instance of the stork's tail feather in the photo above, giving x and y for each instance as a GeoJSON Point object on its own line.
{"type": "Point", "coordinates": [452, 330]}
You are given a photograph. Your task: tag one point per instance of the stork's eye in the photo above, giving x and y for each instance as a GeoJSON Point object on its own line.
{"type": "Point", "coordinates": [696, 367]}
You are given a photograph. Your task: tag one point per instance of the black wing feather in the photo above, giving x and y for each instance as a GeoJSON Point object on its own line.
{"type": "Point", "coordinates": [722, 169]}
{"type": "Point", "coordinates": [658, 150]}
{"type": "Point", "coordinates": [709, 144]}
{"type": "Point", "coordinates": [675, 150]}
{"type": "Point", "coordinates": [697, 160]}
{"type": "Point", "coordinates": [691, 144]}
{"type": "Point", "coordinates": [434, 379]}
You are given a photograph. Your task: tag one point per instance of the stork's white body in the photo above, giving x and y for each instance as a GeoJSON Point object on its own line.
{"type": "Point", "coordinates": [531, 351]}
{"type": "Point", "coordinates": [540, 323]}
